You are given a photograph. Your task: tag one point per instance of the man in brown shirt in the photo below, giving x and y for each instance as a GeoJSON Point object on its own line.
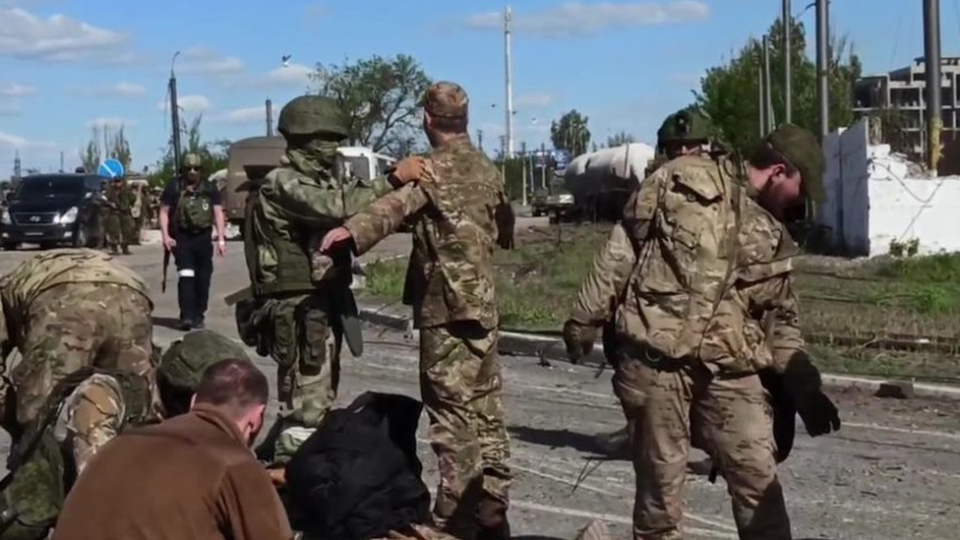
{"type": "Point", "coordinates": [190, 477]}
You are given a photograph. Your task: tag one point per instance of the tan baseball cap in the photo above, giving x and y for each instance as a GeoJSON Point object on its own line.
{"type": "Point", "coordinates": [446, 99]}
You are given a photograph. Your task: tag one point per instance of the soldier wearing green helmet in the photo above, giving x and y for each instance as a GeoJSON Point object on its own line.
{"type": "Point", "coordinates": [87, 410]}
{"type": "Point", "coordinates": [190, 207]}
{"type": "Point", "coordinates": [300, 323]}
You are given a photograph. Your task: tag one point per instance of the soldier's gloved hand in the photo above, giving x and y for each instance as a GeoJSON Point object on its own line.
{"type": "Point", "coordinates": [818, 413]}
{"type": "Point", "coordinates": [409, 169]}
{"type": "Point", "coordinates": [334, 238]}
{"type": "Point", "coordinates": [578, 338]}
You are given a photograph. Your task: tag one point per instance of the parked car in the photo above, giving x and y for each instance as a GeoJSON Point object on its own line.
{"type": "Point", "coordinates": [54, 209]}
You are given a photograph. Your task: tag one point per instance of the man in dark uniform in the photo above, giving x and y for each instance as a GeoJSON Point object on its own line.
{"type": "Point", "coordinates": [189, 207]}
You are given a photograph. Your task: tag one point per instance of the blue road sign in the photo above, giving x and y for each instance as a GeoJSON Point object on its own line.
{"type": "Point", "coordinates": [111, 168]}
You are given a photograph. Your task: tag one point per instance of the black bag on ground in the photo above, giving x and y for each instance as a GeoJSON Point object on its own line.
{"type": "Point", "coordinates": [358, 476]}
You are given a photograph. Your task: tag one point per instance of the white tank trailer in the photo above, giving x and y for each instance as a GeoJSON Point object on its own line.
{"type": "Point", "coordinates": [602, 181]}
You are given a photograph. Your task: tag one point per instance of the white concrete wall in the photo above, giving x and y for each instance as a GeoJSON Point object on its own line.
{"type": "Point", "coordinates": [873, 200]}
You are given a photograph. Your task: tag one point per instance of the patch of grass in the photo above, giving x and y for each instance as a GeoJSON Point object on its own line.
{"type": "Point", "coordinates": [939, 268]}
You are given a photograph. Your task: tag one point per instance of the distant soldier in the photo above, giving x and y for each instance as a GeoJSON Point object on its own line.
{"type": "Point", "coordinates": [71, 308]}
{"type": "Point", "coordinates": [87, 410]}
{"type": "Point", "coordinates": [298, 323]}
{"type": "Point", "coordinates": [139, 212]}
{"type": "Point", "coordinates": [189, 209]}
{"type": "Point", "coordinates": [458, 221]}
{"type": "Point", "coordinates": [119, 222]}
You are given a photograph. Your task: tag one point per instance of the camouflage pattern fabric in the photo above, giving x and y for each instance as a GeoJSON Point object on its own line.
{"type": "Point", "coordinates": [681, 402]}
{"type": "Point", "coordinates": [80, 324]}
{"type": "Point", "coordinates": [287, 216]}
{"type": "Point", "coordinates": [96, 412]}
{"type": "Point", "coordinates": [450, 277]}
{"type": "Point", "coordinates": [31, 278]}
{"type": "Point", "coordinates": [306, 347]}
{"type": "Point", "coordinates": [698, 279]}
{"type": "Point", "coordinates": [119, 224]}
{"type": "Point", "coordinates": [461, 384]}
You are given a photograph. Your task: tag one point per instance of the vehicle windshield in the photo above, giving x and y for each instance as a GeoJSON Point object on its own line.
{"type": "Point", "coordinates": [50, 187]}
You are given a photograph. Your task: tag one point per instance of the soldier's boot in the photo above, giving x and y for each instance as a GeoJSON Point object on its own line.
{"type": "Point", "coordinates": [492, 522]}
{"type": "Point", "coordinates": [616, 443]}
{"type": "Point", "coordinates": [113, 249]}
{"type": "Point", "coordinates": [596, 530]}
{"type": "Point", "coordinates": [126, 249]}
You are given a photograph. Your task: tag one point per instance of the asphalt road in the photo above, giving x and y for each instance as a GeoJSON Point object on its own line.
{"type": "Point", "coordinates": [892, 472]}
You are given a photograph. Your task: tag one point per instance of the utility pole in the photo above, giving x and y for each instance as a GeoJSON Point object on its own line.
{"type": "Point", "coordinates": [761, 102]}
{"type": "Point", "coordinates": [61, 161]}
{"type": "Point", "coordinates": [508, 55]}
{"type": "Point", "coordinates": [823, 67]}
{"type": "Point", "coordinates": [503, 158]}
{"type": "Point", "coordinates": [269, 118]}
{"type": "Point", "coordinates": [175, 114]}
{"type": "Point", "coordinates": [787, 19]}
{"type": "Point", "coordinates": [16, 165]}
{"type": "Point", "coordinates": [480, 139]}
{"type": "Point", "coordinates": [931, 43]}
{"type": "Point", "coordinates": [523, 153]}
{"type": "Point", "coordinates": [543, 171]}
{"type": "Point", "coordinates": [768, 87]}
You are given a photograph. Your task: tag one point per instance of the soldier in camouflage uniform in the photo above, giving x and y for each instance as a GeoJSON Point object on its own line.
{"type": "Point", "coordinates": [119, 224]}
{"type": "Point", "coordinates": [298, 323]}
{"type": "Point", "coordinates": [71, 308]}
{"type": "Point", "coordinates": [685, 132]}
{"type": "Point", "coordinates": [87, 410]}
{"type": "Point", "coordinates": [456, 221]}
{"type": "Point", "coordinates": [698, 278]}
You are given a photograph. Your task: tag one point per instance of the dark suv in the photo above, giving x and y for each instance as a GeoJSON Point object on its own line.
{"type": "Point", "coordinates": [52, 209]}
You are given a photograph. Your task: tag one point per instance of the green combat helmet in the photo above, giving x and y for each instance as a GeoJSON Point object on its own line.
{"type": "Point", "coordinates": [191, 160]}
{"type": "Point", "coordinates": [685, 126]}
{"type": "Point", "coordinates": [313, 115]}
{"type": "Point", "coordinates": [185, 361]}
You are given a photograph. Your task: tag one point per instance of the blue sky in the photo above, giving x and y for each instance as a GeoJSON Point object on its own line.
{"type": "Point", "coordinates": [67, 65]}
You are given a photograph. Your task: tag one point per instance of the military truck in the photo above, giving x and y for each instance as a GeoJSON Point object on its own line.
{"type": "Point", "coordinates": [601, 182]}
{"type": "Point", "coordinates": [252, 158]}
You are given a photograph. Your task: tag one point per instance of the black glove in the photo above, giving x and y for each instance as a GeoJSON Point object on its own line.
{"type": "Point", "coordinates": [578, 338]}
{"type": "Point", "coordinates": [819, 414]}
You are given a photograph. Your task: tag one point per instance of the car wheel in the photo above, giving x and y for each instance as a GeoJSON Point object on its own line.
{"type": "Point", "coordinates": [47, 245]}
{"type": "Point", "coordinates": [10, 246]}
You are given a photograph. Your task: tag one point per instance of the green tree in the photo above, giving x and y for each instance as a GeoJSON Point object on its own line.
{"type": "Point", "coordinates": [620, 139]}
{"type": "Point", "coordinates": [571, 133]}
{"type": "Point", "coordinates": [728, 93]}
{"type": "Point", "coordinates": [91, 155]}
{"type": "Point", "coordinates": [213, 155]}
{"type": "Point", "coordinates": [120, 149]}
{"type": "Point", "coordinates": [381, 97]}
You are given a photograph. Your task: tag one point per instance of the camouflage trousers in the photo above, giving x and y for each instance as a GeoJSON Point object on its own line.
{"type": "Point", "coordinates": [80, 324]}
{"type": "Point", "coordinates": [461, 383]}
{"type": "Point", "coordinates": [120, 230]}
{"type": "Point", "coordinates": [671, 403]}
{"type": "Point", "coordinates": [306, 347]}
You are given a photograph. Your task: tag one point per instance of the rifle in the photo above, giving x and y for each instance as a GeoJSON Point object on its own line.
{"type": "Point", "coordinates": [166, 264]}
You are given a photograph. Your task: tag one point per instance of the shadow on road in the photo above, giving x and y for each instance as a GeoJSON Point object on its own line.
{"type": "Point", "coordinates": [166, 322]}
{"type": "Point", "coordinates": [590, 444]}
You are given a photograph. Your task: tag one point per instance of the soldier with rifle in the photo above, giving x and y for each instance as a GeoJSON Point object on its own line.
{"type": "Point", "coordinates": [284, 313]}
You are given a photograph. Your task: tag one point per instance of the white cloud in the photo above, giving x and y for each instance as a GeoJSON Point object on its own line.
{"type": "Point", "coordinates": [292, 75]}
{"type": "Point", "coordinates": [572, 19]}
{"type": "Point", "coordinates": [534, 100]}
{"type": "Point", "coordinates": [315, 11]}
{"type": "Point", "coordinates": [15, 142]}
{"type": "Point", "coordinates": [190, 104]}
{"type": "Point", "coordinates": [246, 115]}
{"type": "Point", "coordinates": [16, 90]}
{"type": "Point", "coordinates": [57, 38]}
{"type": "Point", "coordinates": [204, 61]}
{"type": "Point", "coordinates": [110, 123]}
{"type": "Point", "coordinates": [121, 89]}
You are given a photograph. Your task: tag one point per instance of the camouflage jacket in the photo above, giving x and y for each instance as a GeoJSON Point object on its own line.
{"type": "Point", "coordinates": [32, 277]}
{"type": "Point", "coordinates": [288, 215]}
{"type": "Point", "coordinates": [698, 270]}
{"type": "Point", "coordinates": [121, 199]}
{"type": "Point", "coordinates": [450, 276]}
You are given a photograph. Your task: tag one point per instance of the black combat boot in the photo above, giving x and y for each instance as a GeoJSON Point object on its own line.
{"type": "Point", "coordinates": [492, 522]}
